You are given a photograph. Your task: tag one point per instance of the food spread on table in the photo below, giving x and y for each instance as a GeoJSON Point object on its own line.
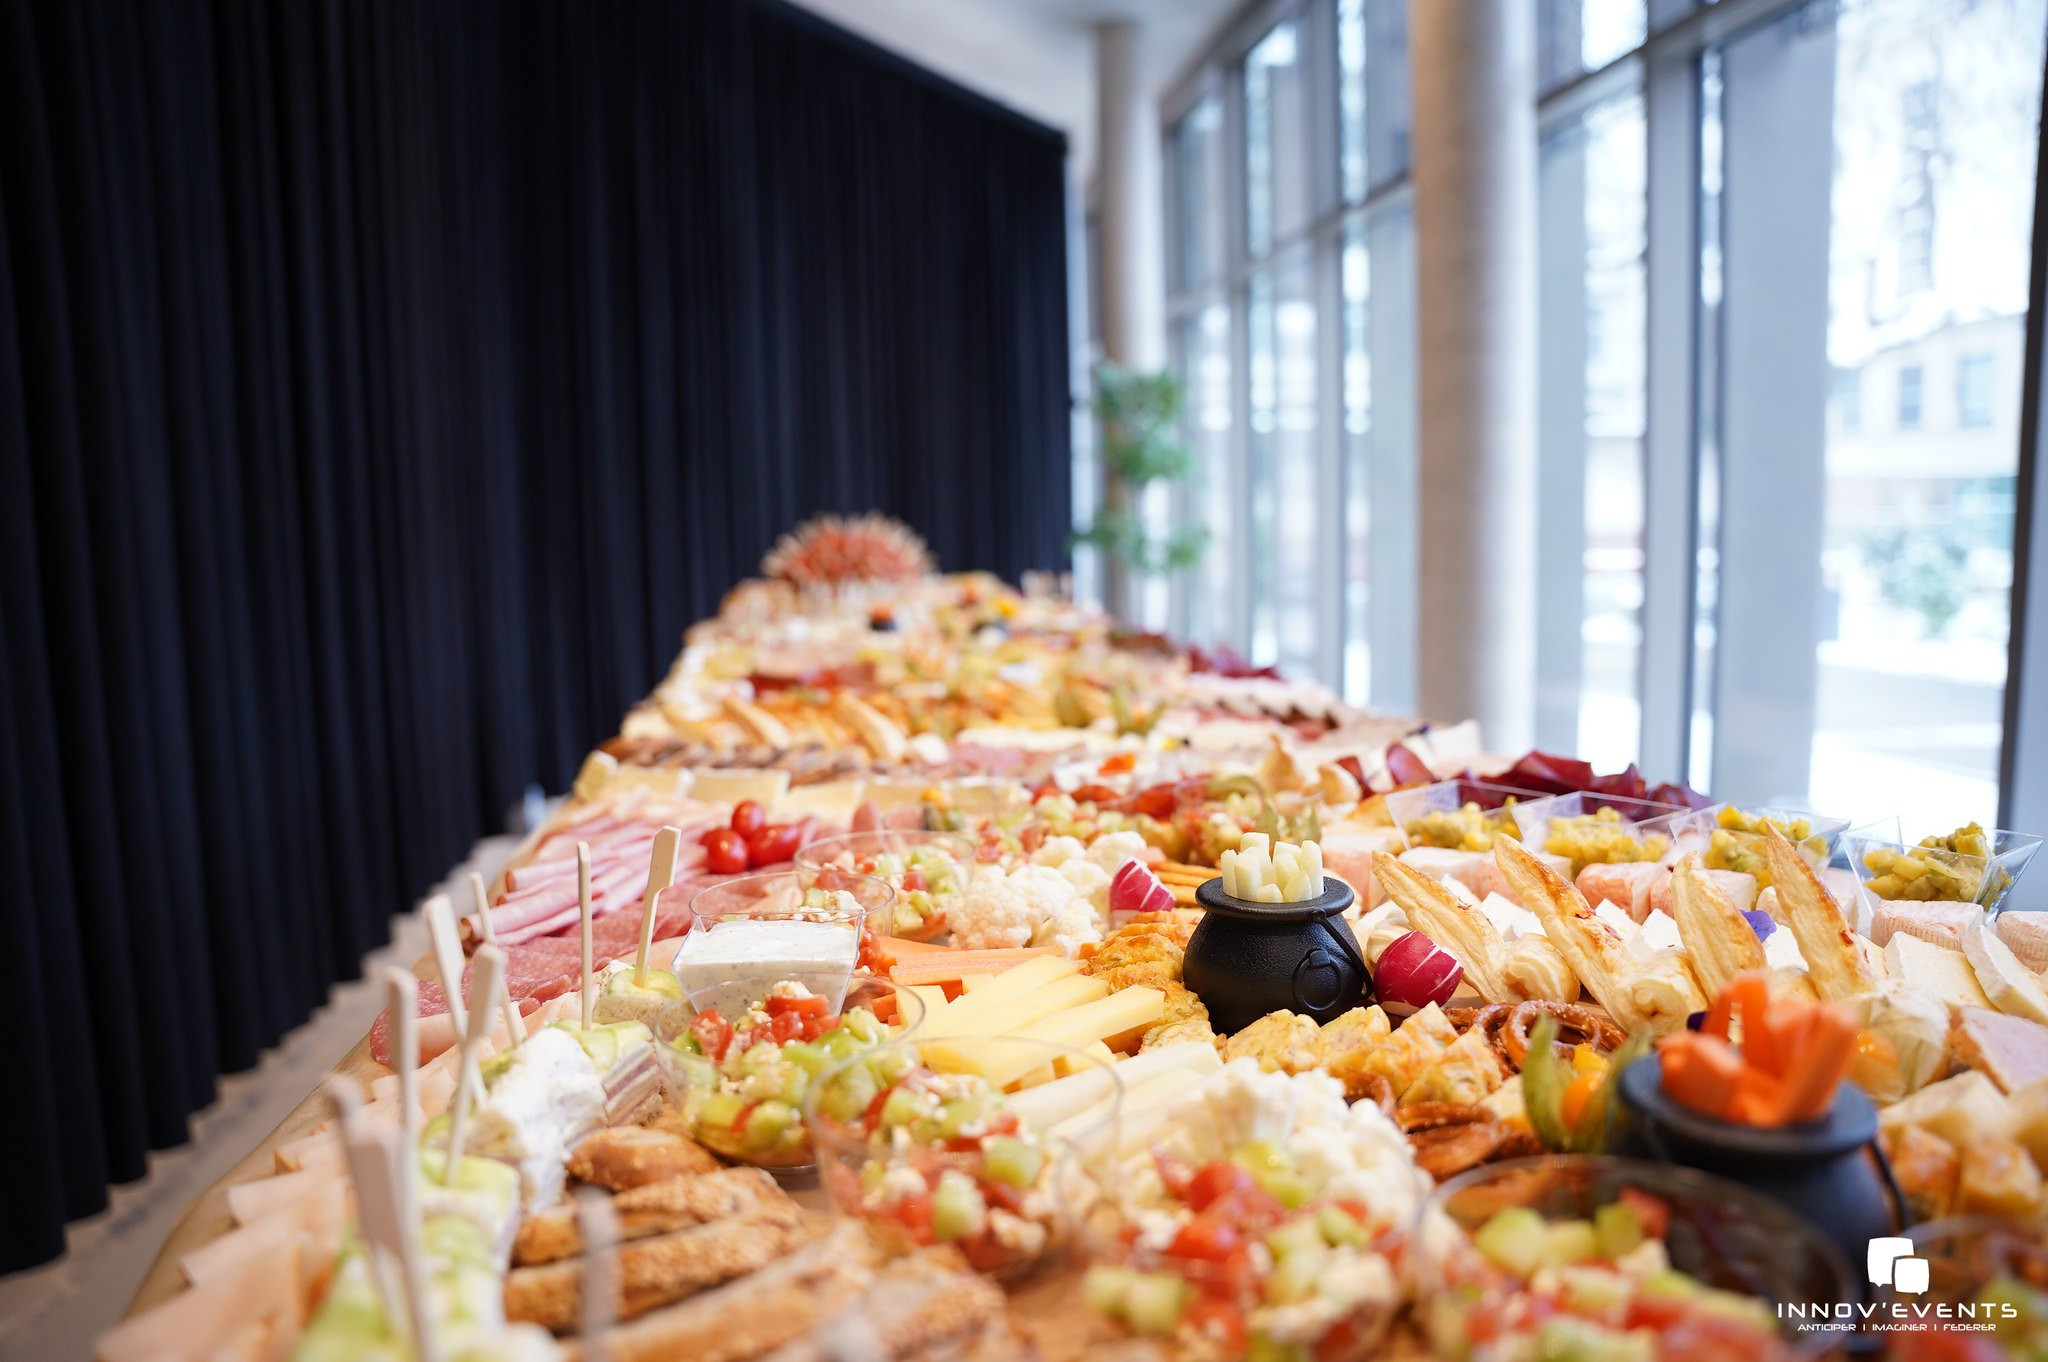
{"type": "Point", "coordinates": [893, 876]}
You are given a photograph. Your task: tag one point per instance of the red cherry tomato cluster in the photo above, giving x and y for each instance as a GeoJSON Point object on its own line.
{"type": "Point", "coordinates": [750, 841]}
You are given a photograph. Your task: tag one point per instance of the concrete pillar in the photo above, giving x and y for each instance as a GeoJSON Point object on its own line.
{"type": "Point", "coordinates": [1475, 227]}
{"type": "Point", "coordinates": [1130, 279]}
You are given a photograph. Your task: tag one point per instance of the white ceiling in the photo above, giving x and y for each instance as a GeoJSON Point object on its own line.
{"type": "Point", "coordinates": [1036, 56]}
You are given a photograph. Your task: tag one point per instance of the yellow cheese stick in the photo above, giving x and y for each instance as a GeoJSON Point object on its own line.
{"type": "Point", "coordinates": [1011, 1016]}
{"type": "Point", "coordinates": [1005, 1059]}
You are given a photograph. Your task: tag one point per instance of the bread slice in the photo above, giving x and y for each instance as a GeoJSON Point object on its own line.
{"type": "Point", "coordinates": [625, 1157]}
{"type": "Point", "coordinates": [924, 1304]}
{"type": "Point", "coordinates": [667, 1267]}
{"type": "Point", "coordinates": [2011, 1051]}
{"type": "Point", "coordinates": [755, 1315]}
{"type": "Point", "coordinates": [657, 1208]}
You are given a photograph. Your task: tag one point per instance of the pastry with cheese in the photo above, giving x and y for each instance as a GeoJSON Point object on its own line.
{"type": "Point", "coordinates": [1414, 1046]}
{"type": "Point", "coordinates": [1466, 1071]}
{"type": "Point", "coordinates": [1280, 1042]}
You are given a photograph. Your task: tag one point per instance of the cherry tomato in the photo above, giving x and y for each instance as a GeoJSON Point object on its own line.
{"type": "Point", "coordinates": [773, 845]}
{"type": "Point", "coordinates": [812, 1006]}
{"type": "Point", "coordinates": [712, 1033]}
{"type": "Point", "coordinates": [725, 852]}
{"type": "Point", "coordinates": [748, 817]}
{"type": "Point", "coordinates": [1156, 802]}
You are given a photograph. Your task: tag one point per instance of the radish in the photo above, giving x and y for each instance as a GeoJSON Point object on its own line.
{"type": "Point", "coordinates": [1135, 889]}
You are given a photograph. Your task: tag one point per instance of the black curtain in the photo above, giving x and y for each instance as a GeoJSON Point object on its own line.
{"type": "Point", "coordinates": [383, 388]}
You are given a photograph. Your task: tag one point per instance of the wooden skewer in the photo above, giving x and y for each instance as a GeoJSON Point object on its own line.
{"type": "Point", "coordinates": [401, 992]}
{"type": "Point", "coordinates": [515, 1025]}
{"type": "Point", "coordinates": [583, 901]}
{"type": "Point", "coordinates": [490, 968]}
{"type": "Point", "coordinates": [661, 873]}
{"type": "Point", "coordinates": [389, 1223]}
{"type": "Point", "coordinates": [447, 957]}
{"type": "Point", "coordinates": [598, 1220]}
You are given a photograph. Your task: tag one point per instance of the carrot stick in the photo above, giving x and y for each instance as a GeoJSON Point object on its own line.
{"type": "Point", "coordinates": [1751, 995]}
{"type": "Point", "coordinates": [1824, 1058]}
{"type": "Point", "coordinates": [939, 967]}
{"type": "Point", "coordinates": [1700, 1072]}
{"type": "Point", "coordinates": [1759, 1099]}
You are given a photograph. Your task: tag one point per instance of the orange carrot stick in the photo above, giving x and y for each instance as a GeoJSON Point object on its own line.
{"type": "Point", "coordinates": [1700, 1072]}
{"type": "Point", "coordinates": [1824, 1057]}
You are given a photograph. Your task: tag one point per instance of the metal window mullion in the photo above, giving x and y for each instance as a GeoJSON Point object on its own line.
{"type": "Point", "coordinates": [1671, 409]}
{"type": "Point", "coordinates": [1237, 615]}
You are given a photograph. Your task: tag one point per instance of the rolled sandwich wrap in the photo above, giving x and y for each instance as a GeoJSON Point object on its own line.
{"type": "Point", "coordinates": [1532, 967]}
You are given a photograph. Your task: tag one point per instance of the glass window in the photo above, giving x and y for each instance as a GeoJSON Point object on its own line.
{"type": "Point", "coordinates": [1276, 153]}
{"type": "Point", "coordinates": [1203, 346]}
{"type": "Point", "coordinates": [1286, 571]}
{"type": "Point", "coordinates": [1592, 302]}
{"type": "Point", "coordinates": [1892, 145]}
{"type": "Point", "coordinates": [1973, 390]}
{"type": "Point", "coordinates": [1848, 399]}
{"type": "Point", "coordinates": [1372, 114]}
{"type": "Point", "coordinates": [1197, 183]}
{"type": "Point", "coordinates": [1576, 36]}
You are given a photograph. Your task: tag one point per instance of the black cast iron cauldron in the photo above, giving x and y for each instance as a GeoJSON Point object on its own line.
{"type": "Point", "coordinates": [1830, 1171]}
{"type": "Point", "coordinates": [1248, 959]}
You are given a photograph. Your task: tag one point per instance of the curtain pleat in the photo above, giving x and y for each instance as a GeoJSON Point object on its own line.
{"type": "Point", "coordinates": [383, 389]}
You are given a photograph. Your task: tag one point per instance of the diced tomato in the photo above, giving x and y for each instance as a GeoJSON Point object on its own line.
{"type": "Point", "coordinates": [1002, 1196]}
{"type": "Point", "coordinates": [1482, 1326]}
{"type": "Point", "coordinates": [1338, 1342]}
{"type": "Point", "coordinates": [1156, 802]}
{"type": "Point", "coordinates": [872, 1117]}
{"type": "Point", "coordinates": [817, 1026]}
{"type": "Point", "coordinates": [1002, 1123]}
{"type": "Point", "coordinates": [748, 817]}
{"type": "Point", "coordinates": [914, 1214]}
{"type": "Point", "coordinates": [1650, 1211]}
{"type": "Point", "coordinates": [712, 1032]}
{"type": "Point", "coordinates": [1095, 794]}
{"type": "Point", "coordinates": [1213, 1181]}
{"type": "Point", "coordinates": [1175, 1174]}
{"type": "Point", "coordinates": [784, 1027]}
{"type": "Point", "coordinates": [1206, 1240]}
{"type": "Point", "coordinates": [1219, 1321]}
{"type": "Point", "coordinates": [811, 1006]}
{"type": "Point", "coordinates": [1703, 1336]}
{"type": "Point", "coordinates": [913, 881]}
{"type": "Point", "coordinates": [873, 959]}
{"type": "Point", "coordinates": [1120, 764]}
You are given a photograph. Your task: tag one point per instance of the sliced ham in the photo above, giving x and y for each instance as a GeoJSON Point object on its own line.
{"type": "Point", "coordinates": [1628, 887]}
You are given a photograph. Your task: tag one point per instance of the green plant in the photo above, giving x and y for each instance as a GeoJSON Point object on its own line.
{"type": "Point", "coordinates": [1140, 413]}
{"type": "Point", "coordinates": [1923, 570]}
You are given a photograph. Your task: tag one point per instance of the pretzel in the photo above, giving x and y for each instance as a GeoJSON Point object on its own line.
{"type": "Point", "coordinates": [1575, 1025]}
{"type": "Point", "coordinates": [1444, 1151]}
{"type": "Point", "coordinates": [1376, 1089]}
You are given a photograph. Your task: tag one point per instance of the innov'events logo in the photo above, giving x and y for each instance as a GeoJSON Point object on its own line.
{"type": "Point", "coordinates": [1891, 1262]}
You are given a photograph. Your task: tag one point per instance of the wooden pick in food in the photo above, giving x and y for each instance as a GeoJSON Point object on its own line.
{"type": "Point", "coordinates": [598, 1221]}
{"type": "Point", "coordinates": [515, 1026]}
{"type": "Point", "coordinates": [490, 968]}
{"type": "Point", "coordinates": [390, 1225]}
{"type": "Point", "coordinates": [583, 901]}
{"type": "Point", "coordinates": [447, 957]}
{"type": "Point", "coordinates": [401, 992]}
{"type": "Point", "coordinates": [661, 873]}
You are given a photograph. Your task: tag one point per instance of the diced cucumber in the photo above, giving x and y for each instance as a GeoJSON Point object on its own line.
{"type": "Point", "coordinates": [718, 1110]}
{"type": "Point", "coordinates": [1571, 1241]}
{"type": "Point", "coordinates": [1105, 1287]}
{"type": "Point", "coordinates": [1515, 1239]}
{"type": "Point", "coordinates": [1564, 1339]}
{"type": "Point", "coordinates": [892, 1062]}
{"type": "Point", "coordinates": [1593, 1290]}
{"type": "Point", "coordinates": [1670, 1285]}
{"type": "Point", "coordinates": [1619, 1229]}
{"type": "Point", "coordinates": [1340, 1227]}
{"type": "Point", "coordinates": [812, 1059]}
{"type": "Point", "coordinates": [849, 1095]}
{"type": "Point", "coordinates": [1294, 1276]}
{"type": "Point", "coordinates": [1153, 1303]}
{"type": "Point", "coordinates": [902, 1107]}
{"type": "Point", "coordinates": [1266, 1348]}
{"type": "Point", "coordinates": [1272, 1167]}
{"type": "Point", "coordinates": [958, 1209]}
{"type": "Point", "coordinates": [1300, 1237]}
{"type": "Point", "coordinates": [1011, 1161]}
{"type": "Point", "coordinates": [767, 1124]}
{"type": "Point", "coordinates": [959, 1114]}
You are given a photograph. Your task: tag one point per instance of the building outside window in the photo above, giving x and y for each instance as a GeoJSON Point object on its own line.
{"type": "Point", "coordinates": [1973, 391]}
{"type": "Point", "coordinates": [1911, 380]}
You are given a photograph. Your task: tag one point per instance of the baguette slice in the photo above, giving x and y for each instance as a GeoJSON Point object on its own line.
{"type": "Point", "coordinates": [656, 1208]}
{"type": "Point", "coordinates": [754, 1315]}
{"type": "Point", "coordinates": [1718, 940]}
{"type": "Point", "coordinates": [926, 1304]}
{"type": "Point", "coordinates": [1593, 949]}
{"type": "Point", "coordinates": [1447, 920]}
{"type": "Point", "coordinates": [1834, 952]}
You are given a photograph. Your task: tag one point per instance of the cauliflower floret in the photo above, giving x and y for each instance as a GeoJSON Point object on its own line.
{"type": "Point", "coordinates": [1110, 851]}
{"type": "Point", "coordinates": [1033, 905]}
{"type": "Point", "coordinates": [1057, 851]}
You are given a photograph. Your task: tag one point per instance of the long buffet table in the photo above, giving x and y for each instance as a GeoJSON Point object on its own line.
{"type": "Point", "coordinates": [959, 703]}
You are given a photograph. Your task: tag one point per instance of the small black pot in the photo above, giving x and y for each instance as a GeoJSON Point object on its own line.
{"type": "Point", "coordinates": [1830, 1171]}
{"type": "Point", "coordinates": [1248, 959]}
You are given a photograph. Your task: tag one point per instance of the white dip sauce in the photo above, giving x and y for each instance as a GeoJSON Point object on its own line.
{"type": "Point", "coordinates": [736, 962]}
